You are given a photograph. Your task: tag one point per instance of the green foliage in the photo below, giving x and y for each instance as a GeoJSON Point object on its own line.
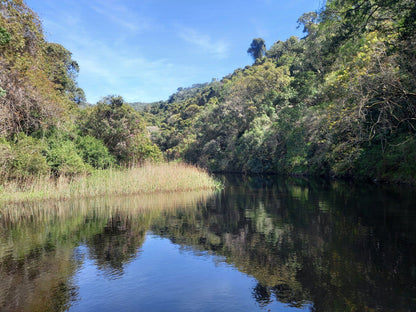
{"type": "Point", "coordinates": [120, 128]}
{"type": "Point", "coordinates": [6, 158]}
{"type": "Point", "coordinates": [37, 77]}
{"type": "Point", "coordinates": [338, 102]}
{"type": "Point", "coordinates": [63, 157]}
{"type": "Point", "coordinates": [22, 158]}
{"type": "Point", "coordinates": [94, 152]}
{"type": "Point", "coordinates": [396, 164]}
{"type": "Point", "coordinates": [29, 157]}
{"type": "Point", "coordinates": [2, 92]}
{"type": "Point", "coordinates": [257, 48]}
{"type": "Point", "coordinates": [4, 36]}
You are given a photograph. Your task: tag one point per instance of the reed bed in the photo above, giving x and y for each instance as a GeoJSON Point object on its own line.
{"type": "Point", "coordinates": [147, 179]}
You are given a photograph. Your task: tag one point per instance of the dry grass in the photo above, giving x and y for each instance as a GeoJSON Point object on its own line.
{"type": "Point", "coordinates": [150, 178]}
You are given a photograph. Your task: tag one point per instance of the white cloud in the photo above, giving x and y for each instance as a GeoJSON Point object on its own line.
{"type": "Point", "coordinates": [218, 48]}
{"type": "Point", "coordinates": [110, 69]}
{"type": "Point", "coordinates": [121, 65]}
{"type": "Point", "coordinates": [120, 15]}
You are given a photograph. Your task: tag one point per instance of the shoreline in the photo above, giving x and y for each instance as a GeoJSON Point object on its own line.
{"type": "Point", "coordinates": [353, 178]}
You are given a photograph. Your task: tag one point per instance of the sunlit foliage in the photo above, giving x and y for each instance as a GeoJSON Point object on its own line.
{"type": "Point", "coordinates": [340, 101]}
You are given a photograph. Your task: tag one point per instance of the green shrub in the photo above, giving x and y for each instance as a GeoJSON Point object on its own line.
{"type": "Point", "coordinates": [63, 158]}
{"type": "Point", "coordinates": [29, 158]}
{"type": "Point", "coordinates": [94, 152]}
{"type": "Point", "coordinates": [120, 128]}
{"type": "Point", "coordinates": [142, 149]}
{"type": "Point", "coordinates": [22, 158]}
{"type": "Point", "coordinates": [6, 158]}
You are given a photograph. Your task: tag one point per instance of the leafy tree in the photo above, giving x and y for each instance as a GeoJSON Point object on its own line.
{"type": "Point", "coordinates": [257, 48]}
{"type": "Point", "coordinates": [94, 152]}
{"type": "Point", "coordinates": [121, 129]}
{"type": "Point", "coordinates": [309, 23]}
{"type": "Point", "coordinates": [63, 71]}
{"type": "Point", "coordinates": [32, 99]}
{"type": "Point", "coordinates": [338, 101]}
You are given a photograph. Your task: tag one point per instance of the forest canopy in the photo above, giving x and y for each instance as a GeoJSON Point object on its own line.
{"type": "Point", "coordinates": [340, 101]}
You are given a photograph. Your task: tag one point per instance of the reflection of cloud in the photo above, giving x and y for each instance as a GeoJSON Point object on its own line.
{"type": "Point", "coordinates": [218, 48]}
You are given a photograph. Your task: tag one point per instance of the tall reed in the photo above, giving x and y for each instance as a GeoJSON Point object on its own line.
{"type": "Point", "coordinates": [149, 178]}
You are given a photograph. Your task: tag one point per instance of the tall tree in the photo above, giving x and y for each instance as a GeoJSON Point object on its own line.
{"type": "Point", "coordinates": [120, 128]}
{"type": "Point", "coordinates": [257, 48]}
{"type": "Point", "coordinates": [30, 97]}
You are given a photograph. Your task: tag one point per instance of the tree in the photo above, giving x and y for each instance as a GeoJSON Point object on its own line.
{"type": "Point", "coordinates": [35, 80]}
{"type": "Point", "coordinates": [308, 21]}
{"type": "Point", "coordinates": [63, 71]}
{"type": "Point", "coordinates": [257, 48]}
{"type": "Point", "coordinates": [121, 129]}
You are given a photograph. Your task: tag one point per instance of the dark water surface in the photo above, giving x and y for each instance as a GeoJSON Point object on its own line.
{"type": "Point", "coordinates": [263, 244]}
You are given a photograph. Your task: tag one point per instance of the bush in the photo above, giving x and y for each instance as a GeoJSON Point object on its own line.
{"type": "Point", "coordinates": [29, 158]}
{"type": "Point", "coordinates": [120, 128]}
{"type": "Point", "coordinates": [22, 158]}
{"type": "Point", "coordinates": [94, 152]}
{"type": "Point", "coordinates": [6, 159]}
{"type": "Point", "coordinates": [63, 158]}
{"type": "Point", "coordinates": [142, 149]}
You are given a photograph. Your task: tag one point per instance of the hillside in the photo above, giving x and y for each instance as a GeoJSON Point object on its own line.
{"type": "Point", "coordinates": [43, 130]}
{"type": "Point", "coordinates": [341, 101]}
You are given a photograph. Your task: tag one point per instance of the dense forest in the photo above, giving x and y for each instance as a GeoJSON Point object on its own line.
{"type": "Point", "coordinates": [341, 101]}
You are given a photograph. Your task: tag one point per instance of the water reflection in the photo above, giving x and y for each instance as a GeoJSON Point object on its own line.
{"type": "Point", "coordinates": [38, 241]}
{"type": "Point", "coordinates": [339, 246]}
{"type": "Point", "coordinates": [309, 244]}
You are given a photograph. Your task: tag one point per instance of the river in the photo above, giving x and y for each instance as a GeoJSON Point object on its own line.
{"type": "Point", "coordinates": [262, 244]}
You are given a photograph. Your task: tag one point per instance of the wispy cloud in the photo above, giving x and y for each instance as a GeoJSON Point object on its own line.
{"type": "Point", "coordinates": [260, 29]}
{"type": "Point", "coordinates": [113, 70]}
{"type": "Point", "coordinates": [114, 57]}
{"type": "Point", "coordinates": [120, 15]}
{"type": "Point", "coordinates": [219, 48]}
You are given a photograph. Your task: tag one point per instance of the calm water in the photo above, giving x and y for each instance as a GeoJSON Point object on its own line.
{"type": "Point", "coordinates": [263, 244]}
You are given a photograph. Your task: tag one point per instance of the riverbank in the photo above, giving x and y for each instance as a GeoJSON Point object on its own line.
{"type": "Point", "coordinates": [147, 179]}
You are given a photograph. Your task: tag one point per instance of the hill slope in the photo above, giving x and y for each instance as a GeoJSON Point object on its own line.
{"type": "Point", "coordinates": [341, 101]}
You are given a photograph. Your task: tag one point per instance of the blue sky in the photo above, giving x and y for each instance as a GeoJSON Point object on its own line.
{"type": "Point", "coordinates": [144, 50]}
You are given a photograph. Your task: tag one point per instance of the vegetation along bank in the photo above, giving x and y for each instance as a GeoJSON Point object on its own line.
{"type": "Point", "coordinates": [341, 101]}
{"type": "Point", "coordinates": [146, 179]}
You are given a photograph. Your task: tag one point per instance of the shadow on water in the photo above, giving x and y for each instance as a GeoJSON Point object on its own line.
{"type": "Point", "coordinates": [312, 244]}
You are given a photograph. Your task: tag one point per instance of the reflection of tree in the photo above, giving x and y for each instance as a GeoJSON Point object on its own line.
{"type": "Point", "coordinates": [37, 243]}
{"type": "Point", "coordinates": [40, 281]}
{"type": "Point", "coordinates": [117, 244]}
{"type": "Point", "coordinates": [262, 295]}
{"type": "Point", "coordinates": [333, 245]}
